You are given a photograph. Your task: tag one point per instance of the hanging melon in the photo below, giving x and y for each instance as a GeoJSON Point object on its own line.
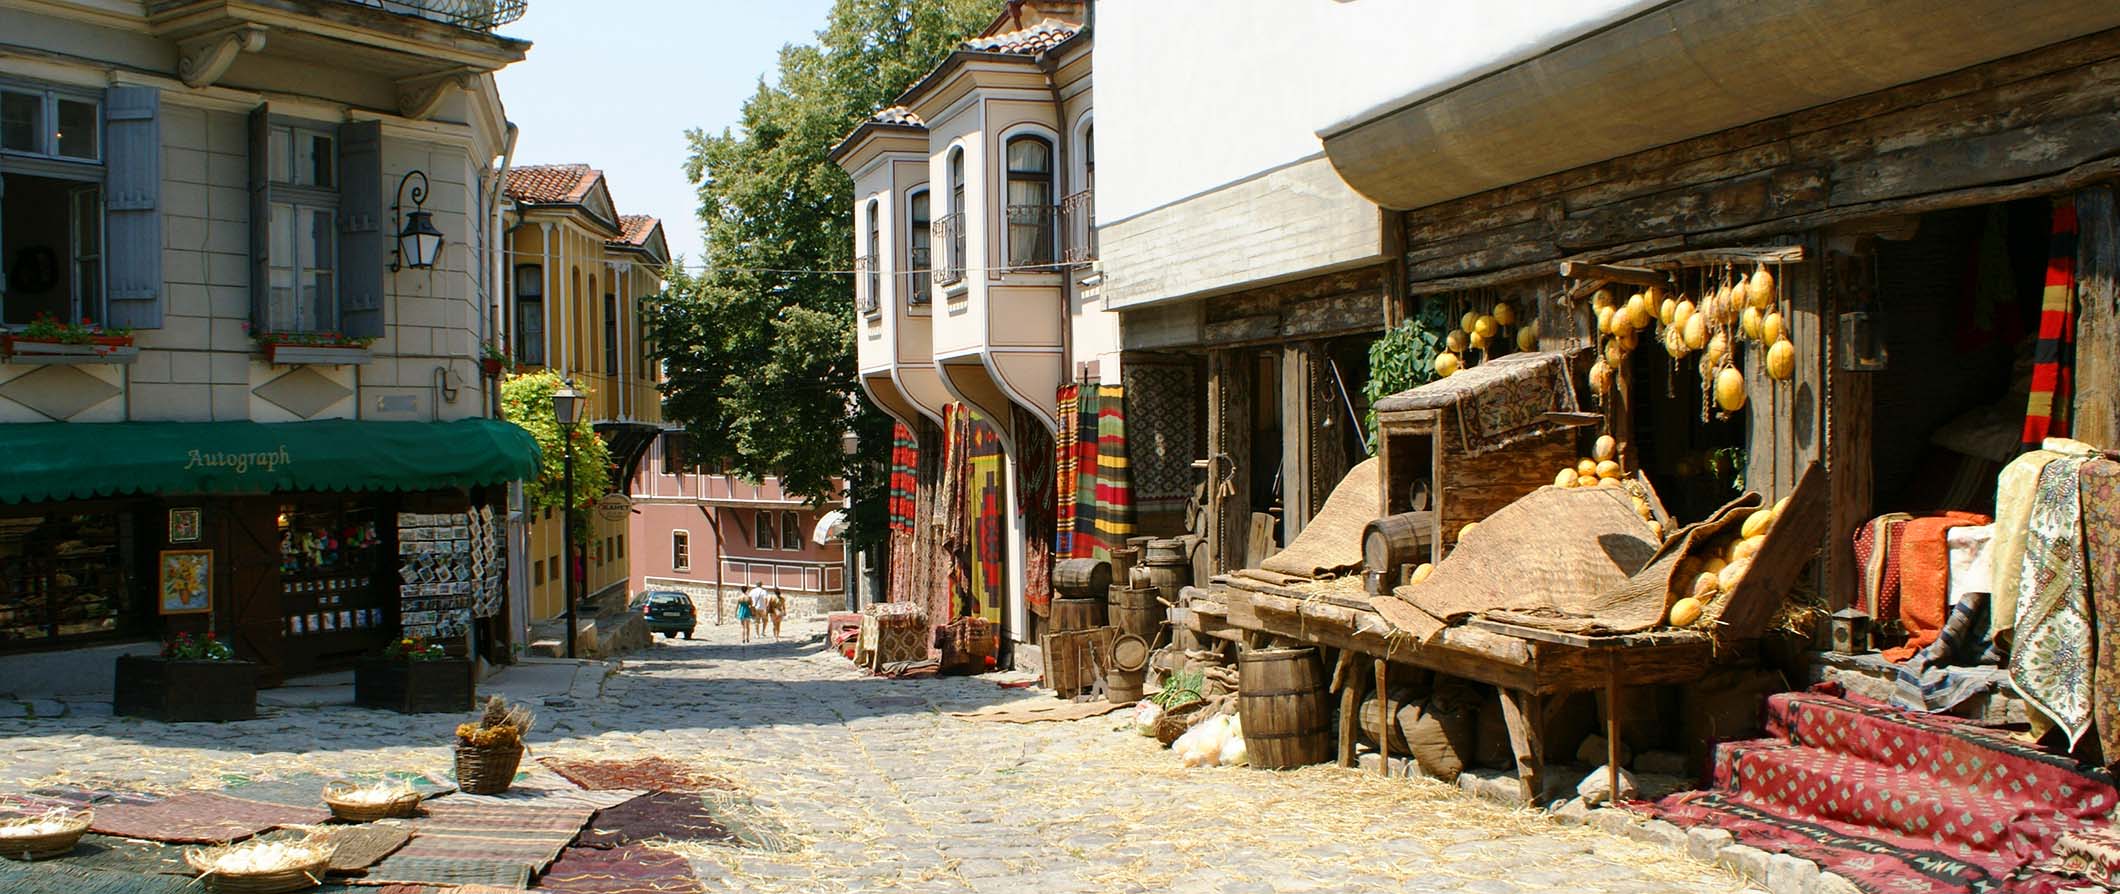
{"type": "Point", "coordinates": [1730, 389]}
{"type": "Point", "coordinates": [1527, 338]}
{"type": "Point", "coordinates": [1504, 313]}
{"type": "Point", "coordinates": [1601, 378]}
{"type": "Point", "coordinates": [1456, 341]}
{"type": "Point", "coordinates": [1484, 327]}
{"type": "Point", "coordinates": [1465, 322]}
{"type": "Point", "coordinates": [1751, 322]}
{"type": "Point", "coordinates": [1602, 299]}
{"type": "Point", "coordinates": [1696, 331]}
{"type": "Point", "coordinates": [1771, 328]}
{"type": "Point", "coordinates": [1759, 290]}
{"type": "Point", "coordinates": [1604, 319]}
{"type": "Point", "coordinates": [1447, 364]}
{"type": "Point", "coordinates": [1781, 361]}
{"type": "Point", "coordinates": [1605, 449]}
{"type": "Point", "coordinates": [1666, 311]}
{"type": "Point", "coordinates": [1718, 348]}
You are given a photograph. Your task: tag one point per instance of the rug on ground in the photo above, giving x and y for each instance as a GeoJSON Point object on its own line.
{"type": "Point", "coordinates": [463, 842]}
{"type": "Point", "coordinates": [625, 870]}
{"type": "Point", "coordinates": [642, 774]}
{"type": "Point", "coordinates": [656, 816]}
{"type": "Point", "coordinates": [200, 818]}
{"type": "Point", "coordinates": [1897, 802]}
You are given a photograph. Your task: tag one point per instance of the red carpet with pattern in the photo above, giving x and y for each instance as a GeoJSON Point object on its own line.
{"type": "Point", "coordinates": [1898, 803]}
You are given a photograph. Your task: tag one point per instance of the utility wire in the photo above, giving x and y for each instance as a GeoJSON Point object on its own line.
{"type": "Point", "coordinates": [1017, 268]}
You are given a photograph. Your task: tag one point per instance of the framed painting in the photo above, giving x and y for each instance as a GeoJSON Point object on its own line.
{"type": "Point", "coordinates": [185, 581]}
{"type": "Point", "coordinates": [184, 525]}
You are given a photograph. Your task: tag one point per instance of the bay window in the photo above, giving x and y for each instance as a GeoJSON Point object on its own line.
{"type": "Point", "coordinates": [920, 280]}
{"type": "Point", "coordinates": [1030, 202]}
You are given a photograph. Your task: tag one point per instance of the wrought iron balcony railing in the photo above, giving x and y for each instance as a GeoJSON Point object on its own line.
{"type": "Point", "coordinates": [473, 15]}
{"type": "Point", "coordinates": [1078, 220]}
{"type": "Point", "coordinates": [949, 233]}
{"type": "Point", "coordinates": [871, 279]}
{"type": "Point", "coordinates": [1030, 236]}
{"type": "Point", "coordinates": [919, 281]}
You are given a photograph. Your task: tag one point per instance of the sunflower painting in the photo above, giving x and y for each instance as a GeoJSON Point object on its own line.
{"type": "Point", "coordinates": [186, 581]}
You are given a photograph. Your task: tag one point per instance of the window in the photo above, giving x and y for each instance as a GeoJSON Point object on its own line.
{"type": "Point", "coordinates": [610, 334]}
{"type": "Point", "coordinates": [873, 261]}
{"type": "Point", "coordinates": [681, 550]}
{"type": "Point", "coordinates": [530, 314]}
{"type": "Point", "coordinates": [1030, 202]}
{"type": "Point", "coordinates": [552, 568]}
{"type": "Point", "coordinates": [919, 282]}
{"type": "Point", "coordinates": [767, 528]}
{"type": "Point", "coordinates": [790, 531]}
{"type": "Point", "coordinates": [304, 234]}
{"type": "Point", "coordinates": [621, 546]}
{"type": "Point", "coordinates": [50, 124]}
{"type": "Point", "coordinates": [537, 574]}
{"type": "Point", "coordinates": [610, 553]}
{"type": "Point", "coordinates": [952, 230]}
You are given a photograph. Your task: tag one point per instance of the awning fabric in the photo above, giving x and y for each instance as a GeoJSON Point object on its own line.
{"type": "Point", "coordinates": [66, 460]}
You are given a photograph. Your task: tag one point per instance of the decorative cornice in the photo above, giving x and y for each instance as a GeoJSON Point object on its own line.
{"type": "Point", "coordinates": [419, 98]}
{"type": "Point", "coordinates": [202, 60]}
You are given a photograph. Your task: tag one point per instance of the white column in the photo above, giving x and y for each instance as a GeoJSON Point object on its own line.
{"type": "Point", "coordinates": [1018, 554]}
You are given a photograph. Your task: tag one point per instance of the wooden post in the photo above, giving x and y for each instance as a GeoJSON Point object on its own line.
{"type": "Point", "coordinates": [2097, 400]}
{"type": "Point", "coordinates": [1386, 712]}
{"type": "Point", "coordinates": [1612, 739]}
{"type": "Point", "coordinates": [1850, 402]}
{"type": "Point", "coordinates": [1353, 688]}
{"type": "Point", "coordinates": [1522, 712]}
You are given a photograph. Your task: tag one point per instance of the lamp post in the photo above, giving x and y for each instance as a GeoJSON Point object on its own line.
{"type": "Point", "coordinates": [566, 409]}
{"type": "Point", "coordinates": [850, 563]}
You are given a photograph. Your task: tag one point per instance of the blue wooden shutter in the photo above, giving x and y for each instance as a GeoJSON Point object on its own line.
{"type": "Point", "coordinates": [260, 217]}
{"type": "Point", "coordinates": [132, 220]}
{"type": "Point", "coordinates": [361, 229]}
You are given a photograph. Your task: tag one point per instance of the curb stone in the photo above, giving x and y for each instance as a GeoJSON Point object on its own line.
{"type": "Point", "coordinates": [1777, 873]}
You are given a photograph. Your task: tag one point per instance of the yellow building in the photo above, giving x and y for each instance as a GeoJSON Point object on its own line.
{"type": "Point", "coordinates": [578, 273]}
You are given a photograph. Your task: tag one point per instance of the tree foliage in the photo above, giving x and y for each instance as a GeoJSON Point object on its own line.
{"type": "Point", "coordinates": [1405, 357]}
{"type": "Point", "coordinates": [526, 400]}
{"type": "Point", "coordinates": [759, 357]}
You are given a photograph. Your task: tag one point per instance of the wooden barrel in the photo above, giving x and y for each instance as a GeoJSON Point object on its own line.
{"type": "Point", "coordinates": [1076, 613]}
{"type": "Point", "coordinates": [1135, 611]}
{"type": "Point", "coordinates": [1287, 715]}
{"type": "Point", "coordinates": [1405, 710]}
{"type": "Point", "coordinates": [1139, 578]}
{"type": "Point", "coordinates": [1138, 544]}
{"type": "Point", "coordinates": [1169, 579]}
{"type": "Point", "coordinates": [1164, 552]}
{"type": "Point", "coordinates": [1087, 578]}
{"type": "Point", "coordinates": [1396, 540]}
{"type": "Point", "coordinates": [1129, 653]}
{"type": "Point", "coordinates": [1124, 687]}
{"type": "Point", "coordinates": [1123, 562]}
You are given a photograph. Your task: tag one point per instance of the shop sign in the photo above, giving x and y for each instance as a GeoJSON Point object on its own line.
{"type": "Point", "coordinates": [614, 507]}
{"type": "Point", "coordinates": [239, 463]}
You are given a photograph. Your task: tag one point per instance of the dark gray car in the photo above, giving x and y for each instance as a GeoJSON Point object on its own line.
{"type": "Point", "coordinates": [668, 612]}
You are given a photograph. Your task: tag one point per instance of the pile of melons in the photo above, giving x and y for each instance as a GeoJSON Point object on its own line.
{"type": "Point", "coordinates": [1602, 469]}
{"type": "Point", "coordinates": [1738, 307]}
{"type": "Point", "coordinates": [1479, 332]}
{"type": "Point", "coordinates": [1714, 567]}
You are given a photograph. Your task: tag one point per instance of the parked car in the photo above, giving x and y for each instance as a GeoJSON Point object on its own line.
{"type": "Point", "coordinates": [668, 612]}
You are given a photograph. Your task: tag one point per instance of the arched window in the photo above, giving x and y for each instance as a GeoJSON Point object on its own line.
{"type": "Point", "coordinates": [1030, 202]}
{"type": "Point", "coordinates": [953, 225]}
{"type": "Point", "coordinates": [873, 301]}
{"type": "Point", "coordinates": [920, 283]}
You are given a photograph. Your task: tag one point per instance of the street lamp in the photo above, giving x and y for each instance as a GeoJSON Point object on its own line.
{"type": "Point", "coordinates": [567, 410]}
{"type": "Point", "coordinates": [418, 242]}
{"type": "Point", "coordinates": [849, 561]}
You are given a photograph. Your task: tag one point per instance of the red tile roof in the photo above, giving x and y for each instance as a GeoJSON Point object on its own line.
{"type": "Point", "coordinates": [634, 229]}
{"type": "Point", "coordinates": [898, 115]}
{"type": "Point", "coordinates": [1027, 42]}
{"type": "Point", "coordinates": [551, 184]}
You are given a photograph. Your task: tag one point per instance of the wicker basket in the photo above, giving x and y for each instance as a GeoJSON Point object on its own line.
{"type": "Point", "coordinates": [1174, 722]}
{"type": "Point", "coordinates": [406, 804]}
{"type": "Point", "coordinates": [487, 770]}
{"type": "Point", "coordinates": [293, 878]}
{"type": "Point", "coordinates": [49, 844]}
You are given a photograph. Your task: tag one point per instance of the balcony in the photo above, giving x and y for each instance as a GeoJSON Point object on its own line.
{"type": "Point", "coordinates": [949, 233]}
{"type": "Point", "coordinates": [424, 50]}
{"type": "Point", "coordinates": [474, 15]}
{"type": "Point", "coordinates": [1030, 238]}
{"type": "Point", "coordinates": [871, 279]}
{"type": "Point", "coordinates": [919, 280]}
{"type": "Point", "coordinates": [1078, 220]}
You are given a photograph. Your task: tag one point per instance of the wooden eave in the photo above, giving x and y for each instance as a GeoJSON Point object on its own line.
{"type": "Point", "coordinates": [422, 43]}
{"type": "Point", "coordinates": [574, 213]}
{"type": "Point", "coordinates": [984, 71]}
{"type": "Point", "coordinates": [874, 138]}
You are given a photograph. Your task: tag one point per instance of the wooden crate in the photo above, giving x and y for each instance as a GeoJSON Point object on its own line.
{"type": "Point", "coordinates": [1075, 659]}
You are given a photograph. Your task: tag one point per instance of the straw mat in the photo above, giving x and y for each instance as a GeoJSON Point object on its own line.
{"type": "Point", "coordinates": [200, 818]}
{"type": "Point", "coordinates": [1331, 541]}
{"type": "Point", "coordinates": [463, 842]}
{"type": "Point", "coordinates": [655, 816]}
{"type": "Point", "coordinates": [122, 855]}
{"type": "Point", "coordinates": [59, 878]}
{"type": "Point", "coordinates": [626, 870]}
{"type": "Point", "coordinates": [643, 774]}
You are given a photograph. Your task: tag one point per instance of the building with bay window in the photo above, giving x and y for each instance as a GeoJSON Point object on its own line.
{"type": "Point", "coordinates": [248, 255]}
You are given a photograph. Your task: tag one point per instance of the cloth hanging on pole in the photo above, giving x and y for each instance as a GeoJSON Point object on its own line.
{"type": "Point", "coordinates": [2050, 665]}
{"type": "Point", "coordinates": [1066, 464]}
{"type": "Point", "coordinates": [1035, 498]}
{"type": "Point", "coordinates": [987, 495]}
{"type": "Point", "coordinates": [905, 465]}
{"type": "Point", "coordinates": [1115, 504]}
{"type": "Point", "coordinates": [2054, 354]}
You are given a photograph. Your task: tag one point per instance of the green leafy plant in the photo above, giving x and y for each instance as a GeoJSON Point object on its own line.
{"type": "Point", "coordinates": [209, 648]}
{"type": "Point", "coordinates": [1183, 688]}
{"type": "Point", "coordinates": [45, 327]}
{"type": "Point", "coordinates": [413, 648]}
{"type": "Point", "coordinates": [325, 339]}
{"type": "Point", "coordinates": [1405, 357]}
{"type": "Point", "coordinates": [492, 350]}
{"type": "Point", "coordinates": [526, 400]}
{"type": "Point", "coordinates": [1729, 462]}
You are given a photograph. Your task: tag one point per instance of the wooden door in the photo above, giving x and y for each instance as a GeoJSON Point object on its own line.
{"type": "Point", "coordinates": [250, 585]}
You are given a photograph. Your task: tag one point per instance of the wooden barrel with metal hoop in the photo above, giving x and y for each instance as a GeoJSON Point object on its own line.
{"type": "Point", "coordinates": [1281, 696]}
{"type": "Point", "coordinates": [1123, 562]}
{"type": "Point", "coordinates": [1070, 613]}
{"type": "Point", "coordinates": [1394, 541]}
{"type": "Point", "coordinates": [1135, 611]}
{"type": "Point", "coordinates": [1124, 680]}
{"type": "Point", "coordinates": [1085, 578]}
{"type": "Point", "coordinates": [1164, 552]}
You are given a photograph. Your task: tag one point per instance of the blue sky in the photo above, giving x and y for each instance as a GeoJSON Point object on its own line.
{"type": "Point", "coordinates": [646, 70]}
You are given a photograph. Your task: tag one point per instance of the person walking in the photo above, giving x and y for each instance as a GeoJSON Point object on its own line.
{"type": "Point", "coordinates": [745, 614]}
{"type": "Point", "coordinates": [761, 605]}
{"type": "Point", "coordinates": [777, 612]}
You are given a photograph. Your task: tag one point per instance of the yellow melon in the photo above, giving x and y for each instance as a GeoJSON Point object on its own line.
{"type": "Point", "coordinates": [1756, 523]}
{"type": "Point", "coordinates": [1566, 478]}
{"type": "Point", "coordinates": [1683, 312]}
{"type": "Point", "coordinates": [1605, 448]}
{"type": "Point", "coordinates": [1456, 341]}
{"type": "Point", "coordinates": [1466, 531]}
{"type": "Point", "coordinates": [1718, 348]}
{"type": "Point", "coordinates": [1479, 342]}
{"type": "Point", "coordinates": [1656, 531]}
{"type": "Point", "coordinates": [1636, 304]}
{"type": "Point", "coordinates": [1781, 506]}
{"type": "Point", "coordinates": [1705, 585]}
{"type": "Point", "coordinates": [1772, 327]}
{"type": "Point", "coordinates": [1629, 338]}
{"type": "Point", "coordinates": [1586, 481]}
{"type": "Point", "coordinates": [1485, 326]}
{"type": "Point", "coordinates": [1615, 352]}
{"type": "Point", "coordinates": [1759, 290]}
{"type": "Point", "coordinates": [1586, 466]}
{"type": "Point", "coordinates": [1729, 304]}
{"type": "Point", "coordinates": [1602, 299]}
{"type": "Point", "coordinates": [1447, 364]}
{"type": "Point", "coordinates": [1608, 469]}
{"type": "Point", "coordinates": [1728, 577]}
{"type": "Point", "coordinates": [1685, 612]}
{"type": "Point", "coordinates": [1604, 319]}
{"type": "Point", "coordinates": [1601, 378]}
{"type": "Point", "coordinates": [1730, 389]}
{"type": "Point", "coordinates": [1747, 548]}
{"type": "Point", "coordinates": [1696, 328]}
{"type": "Point", "coordinates": [1527, 338]}
{"type": "Point", "coordinates": [1607, 482]}
{"type": "Point", "coordinates": [1674, 340]}
{"type": "Point", "coordinates": [1781, 361]}
{"type": "Point", "coordinates": [1421, 572]}
{"type": "Point", "coordinates": [1465, 322]}
{"type": "Point", "coordinates": [1504, 313]}
{"type": "Point", "coordinates": [1750, 322]}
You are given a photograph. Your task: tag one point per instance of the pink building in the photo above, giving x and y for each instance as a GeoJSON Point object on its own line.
{"type": "Point", "coordinates": [693, 530]}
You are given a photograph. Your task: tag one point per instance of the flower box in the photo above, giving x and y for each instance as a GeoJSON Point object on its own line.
{"type": "Point", "coordinates": [115, 349]}
{"type": "Point", "coordinates": [492, 367]}
{"type": "Point", "coordinates": [316, 355]}
{"type": "Point", "coordinates": [413, 687]}
{"type": "Point", "coordinates": [174, 691]}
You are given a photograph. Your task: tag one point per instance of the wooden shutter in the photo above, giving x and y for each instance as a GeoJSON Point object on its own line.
{"type": "Point", "coordinates": [260, 216]}
{"type": "Point", "coordinates": [132, 220]}
{"type": "Point", "coordinates": [362, 228]}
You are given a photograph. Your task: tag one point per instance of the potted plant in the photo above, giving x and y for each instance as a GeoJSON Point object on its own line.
{"type": "Point", "coordinates": [48, 339]}
{"type": "Point", "coordinates": [328, 348]}
{"type": "Point", "coordinates": [413, 676]}
{"type": "Point", "coordinates": [493, 360]}
{"type": "Point", "coordinates": [191, 680]}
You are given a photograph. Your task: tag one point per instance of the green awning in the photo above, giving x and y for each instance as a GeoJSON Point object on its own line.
{"type": "Point", "coordinates": [69, 460]}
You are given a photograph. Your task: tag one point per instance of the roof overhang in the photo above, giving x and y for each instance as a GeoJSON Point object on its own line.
{"type": "Point", "coordinates": [427, 59]}
{"type": "Point", "coordinates": [628, 442]}
{"type": "Point", "coordinates": [1675, 71]}
{"type": "Point", "coordinates": [880, 134]}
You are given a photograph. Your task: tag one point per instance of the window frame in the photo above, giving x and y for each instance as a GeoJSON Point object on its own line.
{"type": "Point", "coordinates": [919, 224]}
{"type": "Point", "coordinates": [680, 549]}
{"type": "Point", "coordinates": [45, 163]}
{"type": "Point", "coordinates": [49, 98]}
{"type": "Point", "coordinates": [611, 366]}
{"type": "Point", "coordinates": [765, 530]}
{"type": "Point", "coordinates": [1045, 256]}
{"type": "Point", "coordinates": [873, 243]}
{"type": "Point", "coordinates": [524, 344]}
{"type": "Point", "coordinates": [791, 523]}
{"type": "Point", "coordinates": [300, 198]}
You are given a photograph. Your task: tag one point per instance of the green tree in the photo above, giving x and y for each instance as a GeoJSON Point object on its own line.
{"type": "Point", "coordinates": [526, 400]}
{"type": "Point", "coordinates": [759, 349]}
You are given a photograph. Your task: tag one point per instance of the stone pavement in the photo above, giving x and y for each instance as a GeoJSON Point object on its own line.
{"type": "Point", "coordinates": [875, 788]}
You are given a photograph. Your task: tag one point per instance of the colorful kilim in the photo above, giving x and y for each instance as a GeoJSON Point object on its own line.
{"type": "Point", "coordinates": [905, 465]}
{"type": "Point", "coordinates": [988, 503]}
{"type": "Point", "coordinates": [1083, 544]}
{"type": "Point", "coordinates": [1874, 546]}
{"type": "Point", "coordinates": [655, 816]}
{"type": "Point", "coordinates": [2046, 414]}
{"type": "Point", "coordinates": [2101, 537]}
{"type": "Point", "coordinates": [1034, 505]}
{"type": "Point", "coordinates": [2050, 662]}
{"type": "Point", "coordinates": [1162, 401]}
{"type": "Point", "coordinates": [643, 774]}
{"type": "Point", "coordinates": [482, 843]}
{"type": "Point", "coordinates": [2089, 853]}
{"type": "Point", "coordinates": [2015, 490]}
{"type": "Point", "coordinates": [200, 818]}
{"type": "Point", "coordinates": [1066, 469]}
{"type": "Point", "coordinates": [627, 870]}
{"type": "Point", "coordinates": [1115, 496]}
{"type": "Point", "coordinates": [1896, 801]}
{"type": "Point", "coordinates": [955, 506]}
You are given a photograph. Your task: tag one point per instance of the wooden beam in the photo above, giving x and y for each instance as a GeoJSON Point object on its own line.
{"type": "Point", "coordinates": [2097, 401]}
{"type": "Point", "coordinates": [1633, 275]}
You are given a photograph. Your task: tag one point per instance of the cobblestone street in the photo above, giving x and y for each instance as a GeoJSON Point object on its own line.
{"type": "Point", "coordinates": [873, 787]}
